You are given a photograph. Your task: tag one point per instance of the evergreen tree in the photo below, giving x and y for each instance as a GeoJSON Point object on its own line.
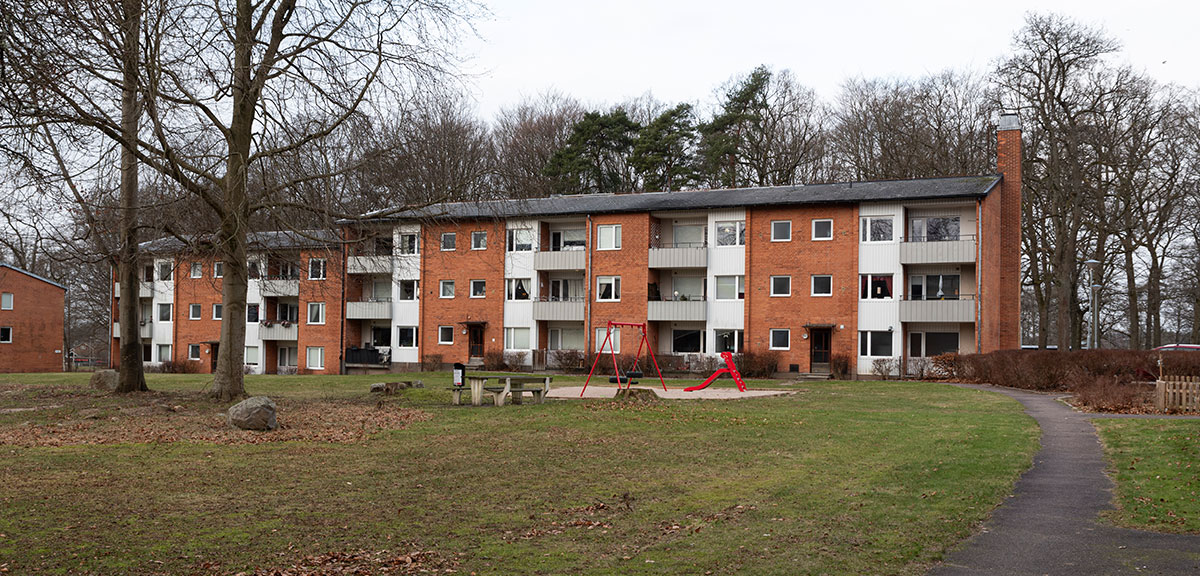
{"type": "Point", "coordinates": [663, 153]}
{"type": "Point", "coordinates": [723, 138]}
{"type": "Point", "coordinates": [596, 157]}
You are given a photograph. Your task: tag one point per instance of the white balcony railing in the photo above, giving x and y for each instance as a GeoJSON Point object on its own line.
{"type": "Point", "coordinates": [677, 311]}
{"type": "Point", "coordinates": [375, 310]}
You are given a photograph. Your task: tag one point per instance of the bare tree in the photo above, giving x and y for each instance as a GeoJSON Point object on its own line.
{"type": "Point", "coordinates": [526, 137]}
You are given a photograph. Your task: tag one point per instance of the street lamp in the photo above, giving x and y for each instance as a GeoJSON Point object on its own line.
{"type": "Point", "coordinates": [1094, 333]}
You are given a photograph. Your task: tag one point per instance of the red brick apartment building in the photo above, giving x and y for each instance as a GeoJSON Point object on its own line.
{"type": "Point", "coordinates": [893, 269]}
{"type": "Point", "coordinates": [31, 322]}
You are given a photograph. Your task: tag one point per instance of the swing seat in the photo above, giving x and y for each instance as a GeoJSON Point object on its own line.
{"type": "Point", "coordinates": [619, 380]}
{"type": "Point", "coordinates": [634, 374]}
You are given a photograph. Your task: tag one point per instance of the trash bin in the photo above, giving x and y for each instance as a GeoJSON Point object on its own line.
{"type": "Point", "coordinates": [460, 374]}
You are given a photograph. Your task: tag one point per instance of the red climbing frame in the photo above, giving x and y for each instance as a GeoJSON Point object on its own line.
{"type": "Point", "coordinates": [729, 369]}
{"type": "Point", "coordinates": [616, 369]}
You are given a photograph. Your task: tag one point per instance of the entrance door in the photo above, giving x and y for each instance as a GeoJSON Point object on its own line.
{"type": "Point", "coordinates": [819, 349]}
{"type": "Point", "coordinates": [212, 361]}
{"type": "Point", "coordinates": [475, 341]}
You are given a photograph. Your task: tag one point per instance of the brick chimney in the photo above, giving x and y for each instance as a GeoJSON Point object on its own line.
{"type": "Point", "coordinates": [1000, 268]}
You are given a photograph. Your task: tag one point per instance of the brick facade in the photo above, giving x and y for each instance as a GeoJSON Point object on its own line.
{"type": "Point", "coordinates": [462, 312]}
{"type": "Point", "coordinates": [630, 263]}
{"type": "Point", "coordinates": [33, 328]}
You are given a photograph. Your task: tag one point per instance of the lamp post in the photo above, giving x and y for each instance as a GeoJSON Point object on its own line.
{"type": "Point", "coordinates": [1094, 332]}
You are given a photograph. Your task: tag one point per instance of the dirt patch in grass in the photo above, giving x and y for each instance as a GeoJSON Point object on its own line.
{"type": "Point", "coordinates": [354, 562]}
{"type": "Point", "coordinates": [85, 417]}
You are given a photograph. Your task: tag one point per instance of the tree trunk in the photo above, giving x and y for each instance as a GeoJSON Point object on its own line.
{"type": "Point", "coordinates": [1133, 316]}
{"type": "Point", "coordinates": [131, 378]}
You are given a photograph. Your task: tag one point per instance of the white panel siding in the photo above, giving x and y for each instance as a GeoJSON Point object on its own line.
{"type": "Point", "coordinates": [724, 261]}
{"type": "Point", "coordinates": [519, 314]}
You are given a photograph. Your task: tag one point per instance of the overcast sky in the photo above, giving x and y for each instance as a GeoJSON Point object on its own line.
{"type": "Point", "coordinates": [606, 52]}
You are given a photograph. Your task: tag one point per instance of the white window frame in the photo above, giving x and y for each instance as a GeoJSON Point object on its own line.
{"type": "Point", "coordinates": [197, 270]}
{"type": "Point", "coordinates": [170, 353]}
{"type": "Point", "coordinates": [320, 306]}
{"type": "Point", "coordinates": [415, 243]}
{"type": "Point", "coordinates": [324, 272]}
{"type": "Point", "coordinates": [771, 339]}
{"type": "Point", "coordinates": [253, 270]}
{"type": "Point", "coordinates": [159, 312]}
{"type": "Point", "coordinates": [308, 357]}
{"type": "Point", "coordinates": [442, 331]}
{"type": "Point", "coordinates": [814, 230]}
{"type": "Point", "coordinates": [513, 240]}
{"type": "Point", "coordinates": [775, 238]}
{"type": "Point", "coordinates": [614, 231]}
{"type": "Point", "coordinates": [218, 312]}
{"type": "Point", "coordinates": [870, 278]}
{"type": "Point", "coordinates": [510, 335]}
{"type": "Point", "coordinates": [196, 348]}
{"type": "Point", "coordinates": [257, 312]}
{"type": "Point", "coordinates": [10, 335]}
{"type": "Point", "coordinates": [775, 294]}
{"type": "Point", "coordinates": [416, 290]}
{"type": "Point", "coordinates": [739, 233]}
{"type": "Point", "coordinates": [194, 311]}
{"type": "Point", "coordinates": [739, 288]}
{"type": "Point", "coordinates": [246, 356]}
{"type": "Point", "coordinates": [442, 285]}
{"type": "Point", "coordinates": [453, 238]}
{"type": "Point", "coordinates": [479, 240]}
{"type": "Point", "coordinates": [616, 288]}
{"type": "Point", "coordinates": [6, 300]}
{"type": "Point", "coordinates": [415, 333]}
{"type": "Point", "coordinates": [218, 269]}
{"type": "Point", "coordinates": [871, 340]}
{"type": "Point", "coordinates": [614, 344]}
{"type": "Point", "coordinates": [481, 283]}
{"type": "Point", "coordinates": [865, 232]}
{"type": "Point", "coordinates": [813, 286]}
{"type": "Point", "coordinates": [510, 289]}
{"type": "Point", "coordinates": [165, 267]}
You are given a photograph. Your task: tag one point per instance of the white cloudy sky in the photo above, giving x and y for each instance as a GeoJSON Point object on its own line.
{"type": "Point", "coordinates": [606, 52]}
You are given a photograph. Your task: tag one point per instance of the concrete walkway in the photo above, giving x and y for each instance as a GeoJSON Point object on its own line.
{"type": "Point", "coordinates": [594, 391]}
{"type": "Point", "coordinates": [1051, 523]}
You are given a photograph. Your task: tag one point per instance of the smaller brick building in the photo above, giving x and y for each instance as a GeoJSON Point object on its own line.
{"type": "Point", "coordinates": [31, 322]}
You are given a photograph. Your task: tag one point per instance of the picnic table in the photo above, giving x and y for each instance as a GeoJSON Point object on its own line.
{"type": "Point", "coordinates": [504, 386]}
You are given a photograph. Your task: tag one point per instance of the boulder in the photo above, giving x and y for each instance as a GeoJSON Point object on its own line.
{"type": "Point", "coordinates": [105, 380]}
{"type": "Point", "coordinates": [379, 388]}
{"type": "Point", "coordinates": [257, 413]}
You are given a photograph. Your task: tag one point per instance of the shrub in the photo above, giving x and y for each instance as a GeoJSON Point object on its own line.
{"type": "Point", "coordinates": [883, 367]}
{"type": "Point", "coordinates": [170, 367]}
{"type": "Point", "coordinates": [431, 362]}
{"type": "Point", "coordinates": [945, 366]}
{"type": "Point", "coordinates": [494, 361]}
{"type": "Point", "coordinates": [759, 364]}
{"type": "Point", "coordinates": [515, 360]}
{"type": "Point", "coordinates": [1109, 394]}
{"type": "Point", "coordinates": [839, 365]}
{"type": "Point", "coordinates": [920, 368]}
{"type": "Point", "coordinates": [569, 360]}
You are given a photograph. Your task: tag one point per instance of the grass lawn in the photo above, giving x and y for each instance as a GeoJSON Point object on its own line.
{"type": "Point", "coordinates": [840, 477]}
{"type": "Point", "coordinates": [1156, 464]}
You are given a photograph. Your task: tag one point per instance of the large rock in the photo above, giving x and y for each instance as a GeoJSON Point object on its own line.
{"type": "Point", "coordinates": [257, 413]}
{"type": "Point", "coordinates": [105, 380]}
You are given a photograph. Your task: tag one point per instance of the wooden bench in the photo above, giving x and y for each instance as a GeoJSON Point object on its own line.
{"type": "Point", "coordinates": [516, 386]}
{"type": "Point", "coordinates": [537, 386]}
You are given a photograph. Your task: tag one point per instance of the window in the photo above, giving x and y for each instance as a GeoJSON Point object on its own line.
{"type": "Point", "coordinates": [197, 270]}
{"type": "Point", "coordinates": [164, 271]}
{"type": "Point", "coordinates": [608, 237]}
{"type": "Point", "coordinates": [729, 341]}
{"type": "Point", "coordinates": [517, 288]}
{"type": "Point", "coordinates": [6, 301]}
{"type": "Point", "coordinates": [520, 240]}
{"type": "Point", "coordinates": [877, 343]}
{"type": "Point", "coordinates": [288, 312]}
{"type": "Point", "coordinates": [148, 275]}
{"type": "Point", "coordinates": [316, 312]}
{"type": "Point", "coordinates": [938, 343]}
{"type": "Point", "coordinates": [934, 287]}
{"type": "Point", "coordinates": [408, 243]}
{"type": "Point", "coordinates": [565, 339]}
{"type": "Point", "coordinates": [565, 289]}
{"type": "Point", "coordinates": [877, 229]}
{"type": "Point", "coordinates": [219, 270]}
{"type": "Point", "coordinates": [731, 233]}
{"type": "Point", "coordinates": [822, 229]}
{"type": "Point", "coordinates": [614, 340]}
{"type": "Point", "coordinates": [381, 290]}
{"type": "Point", "coordinates": [479, 240]}
{"type": "Point", "coordinates": [5, 334]}
{"type": "Point", "coordinates": [570, 239]}
{"type": "Point", "coordinates": [253, 271]}
{"type": "Point", "coordinates": [478, 288]}
{"type": "Point", "coordinates": [875, 287]}
{"type": "Point", "coordinates": [193, 351]}
{"type": "Point", "coordinates": [194, 312]}
{"type": "Point", "coordinates": [287, 357]}
{"type": "Point", "coordinates": [406, 337]}
{"type": "Point", "coordinates": [251, 356]}
{"type": "Point", "coordinates": [687, 288]}
{"type": "Point", "coordinates": [781, 231]}
{"type": "Point", "coordinates": [687, 341]}
{"type": "Point", "coordinates": [447, 288]}
{"type": "Point", "coordinates": [409, 289]}
{"type": "Point", "coordinates": [608, 289]}
{"type": "Point", "coordinates": [164, 352]}
{"type": "Point", "coordinates": [289, 270]}
{"type": "Point", "coordinates": [252, 314]}
{"type": "Point", "coordinates": [314, 357]}
{"type": "Point", "coordinates": [822, 285]}
{"type": "Point", "coordinates": [731, 287]}
{"type": "Point", "coordinates": [781, 285]}
{"type": "Point", "coordinates": [445, 334]}
{"type": "Point", "coordinates": [781, 339]}
{"type": "Point", "coordinates": [316, 269]}
{"type": "Point", "coordinates": [218, 311]}
{"type": "Point", "coordinates": [448, 241]}
{"type": "Point", "coordinates": [688, 235]}
{"type": "Point", "coordinates": [164, 313]}
{"type": "Point", "coordinates": [516, 339]}
{"type": "Point", "coordinates": [939, 229]}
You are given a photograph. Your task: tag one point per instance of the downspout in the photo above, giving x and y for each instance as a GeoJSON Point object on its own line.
{"type": "Point", "coordinates": [587, 303]}
{"type": "Point", "coordinates": [979, 268]}
{"type": "Point", "coordinates": [342, 325]}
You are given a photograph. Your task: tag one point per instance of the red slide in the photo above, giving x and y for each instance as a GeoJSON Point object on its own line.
{"type": "Point", "coordinates": [728, 369]}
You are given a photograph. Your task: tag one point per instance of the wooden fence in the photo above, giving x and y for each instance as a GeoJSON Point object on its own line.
{"type": "Point", "coordinates": [1178, 393]}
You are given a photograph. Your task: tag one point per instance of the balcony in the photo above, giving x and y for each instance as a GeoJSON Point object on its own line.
{"type": "Point", "coordinates": [960, 310]}
{"type": "Point", "coordinates": [677, 311]}
{"type": "Point", "coordinates": [958, 251]}
{"type": "Point", "coordinates": [561, 260]}
{"type": "Point", "coordinates": [369, 310]}
{"type": "Point", "coordinates": [681, 255]}
{"type": "Point", "coordinates": [381, 264]}
{"type": "Point", "coordinates": [359, 357]}
{"type": "Point", "coordinates": [145, 329]}
{"type": "Point", "coordinates": [278, 286]}
{"type": "Point", "coordinates": [558, 310]}
{"type": "Point", "coordinates": [278, 331]}
{"type": "Point", "coordinates": [145, 290]}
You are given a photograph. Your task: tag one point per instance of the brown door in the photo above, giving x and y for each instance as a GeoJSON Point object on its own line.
{"type": "Point", "coordinates": [819, 349]}
{"type": "Point", "coordinates": [212, 361]}
{"type": "Point", "coordinates": [475, 341]}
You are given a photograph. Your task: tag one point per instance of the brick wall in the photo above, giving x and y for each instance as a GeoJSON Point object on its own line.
{"type": "Point", "coordinates": [205, 291]}
{"type": "Point", "coordinates": [36, 320]}
{"type": "Point", "coordinates": [461, 265]}
{"type": "Point", "coordinates": [330, 291]}
{"type": "Point", "coordinates": [801, 258]}
{"type": "Point", "coordinates": [631, 263]}
{"type": "Point", "coordinates": [1000, 251]}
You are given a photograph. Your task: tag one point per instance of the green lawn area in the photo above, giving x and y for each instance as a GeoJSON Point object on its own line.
{"type": "Point", "coordinates": [1156, 464]}
{"type": "Point", "coordinates": [838, 478]}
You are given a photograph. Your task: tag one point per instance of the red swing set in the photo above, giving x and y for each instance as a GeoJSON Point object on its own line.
{"type": "Point", "coordinates": [630, 377]}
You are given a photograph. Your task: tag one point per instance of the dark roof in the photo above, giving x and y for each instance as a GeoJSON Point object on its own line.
{"type": "Point", "coordinates": [838, 193]}
{"type": "Point", "coordinates": [32, 275]}
{"type": "Point", "coordinates": [270, 240]}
